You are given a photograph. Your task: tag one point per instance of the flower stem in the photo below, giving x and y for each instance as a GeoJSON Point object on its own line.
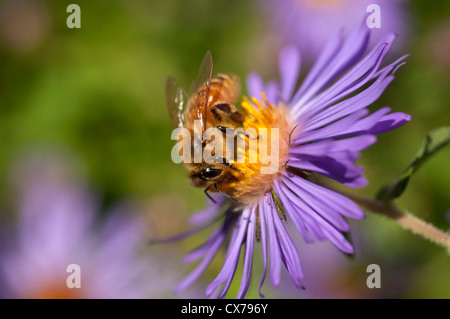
{"type": "Point", "coordinates": [406, 220]}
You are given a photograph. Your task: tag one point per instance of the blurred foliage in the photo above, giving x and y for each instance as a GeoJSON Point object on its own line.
{"type": "Point", "coordinates": [98, 94]}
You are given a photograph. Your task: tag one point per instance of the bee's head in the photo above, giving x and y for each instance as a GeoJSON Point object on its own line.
{"type": "Point", "coordinates": [207, 175]}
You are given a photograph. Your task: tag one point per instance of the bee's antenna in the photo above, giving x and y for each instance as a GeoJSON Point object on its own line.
{"type": "Point", "coordinates": [290, 135]}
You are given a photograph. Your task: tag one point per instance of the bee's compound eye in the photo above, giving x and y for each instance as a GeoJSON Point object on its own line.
{"type": "Point", "coordinates": [211, 172]}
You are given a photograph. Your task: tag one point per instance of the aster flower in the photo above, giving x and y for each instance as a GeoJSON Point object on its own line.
{"type": "Point", "coordinates": [309, 23]}
{"type": "Point", "coordinates": [57, 227]}
{"type": "Point", "coordinates": [323, 125]}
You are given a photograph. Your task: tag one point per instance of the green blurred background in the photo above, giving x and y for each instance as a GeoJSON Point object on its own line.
{"type": "Point", "coordinates": [97, 93]}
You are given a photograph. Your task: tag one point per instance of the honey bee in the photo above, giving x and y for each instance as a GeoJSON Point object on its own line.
{"type": "Point", "coordinates": [211, 102]}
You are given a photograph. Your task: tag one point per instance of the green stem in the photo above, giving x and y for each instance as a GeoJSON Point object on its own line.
{"type": "Point", "coordinates": [406, 220]}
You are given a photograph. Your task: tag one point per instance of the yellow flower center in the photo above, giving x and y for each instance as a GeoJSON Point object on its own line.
{"type": "Point", "coordinates": [264, 152]}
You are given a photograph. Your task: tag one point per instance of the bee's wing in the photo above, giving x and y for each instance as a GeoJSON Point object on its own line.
{"type": "Point", "coordinates": [176, 100]}
{"type": "Point", "coordinates": [200, 87]}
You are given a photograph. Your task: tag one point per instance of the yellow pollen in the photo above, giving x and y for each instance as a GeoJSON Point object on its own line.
{"type": "Point", "coordinates": [264, 151]}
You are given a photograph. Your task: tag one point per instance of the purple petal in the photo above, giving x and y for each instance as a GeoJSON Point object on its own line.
{"type": "Point", "coordinates": [274, 246]}
{"type": "Point", "coordinates": [324, 209]}
{"type": "Point", "coordinates": [272, 92]}
{"type": "Point", "coordinates": [350, 51]}
{"type": "Point", "coordinates": [248, 259]}
{"type": "Point", "coordinates": [396, 62]}
{"type": "Point", "coordinates": [289, 251]}
{"type": "Point", "coordinates": [353, 104]}
{"type": "Point", "coordinates": [390, 122]}
{"type": "Point", "coordinates": [301, 213]}
{"type": "Point", "coordinates": [350, 105]}
{"type": "Point", "coordinates": [262, 217]}
{"type": "Point", "coordinates": [289, 71]}
{"type": "Point", "coordinates": [298, 222]}
{"type": "Point", "coordinates": [230, 263]}
{"type": "Point", "coordinates": [360, 127]}
{"type": "Point", "coordinates": [334, 130]}
{"type": "Point", "coordinates": [322, 148]}
{"type": "Point", "coordinates": [333, 234]}
{"type": "Point", "coordinates": [314, 149]}
{"type": "Point", "coordinates": [200, 251]}
{"type": "Point", "coordinates": [342, 203]}
{"type": "Point", "coordinates": [353, 144]}
{"type": "Point", "coordinates": [213, 248]}
{"type": "Point", "coordinates": [355, 78]}
{"type": "Point", "coordinates": [325, 56]}
{"type": "Point", "coordinates": [255, 85]}
{"type": "Point", "coordinates": [338, 168]}
{"type": "Point", "coordinates": [333, 158]}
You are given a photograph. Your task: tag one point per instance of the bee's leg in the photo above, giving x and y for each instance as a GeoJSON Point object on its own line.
{"type": "Point", "coordinates": [226, 130]}
{"type": "Point", "coordinates": [246, 135]}
{"type": "Point", "coordinates": [239, 133]}
{"type": "Point", "coordinates": [224, 161]}
{"type": "Point", "coordinates": [296, 171]}
{"type": "Point", "coordinates": [209, 196]}
{"type": "Point", "coordinates": [226, 195]}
